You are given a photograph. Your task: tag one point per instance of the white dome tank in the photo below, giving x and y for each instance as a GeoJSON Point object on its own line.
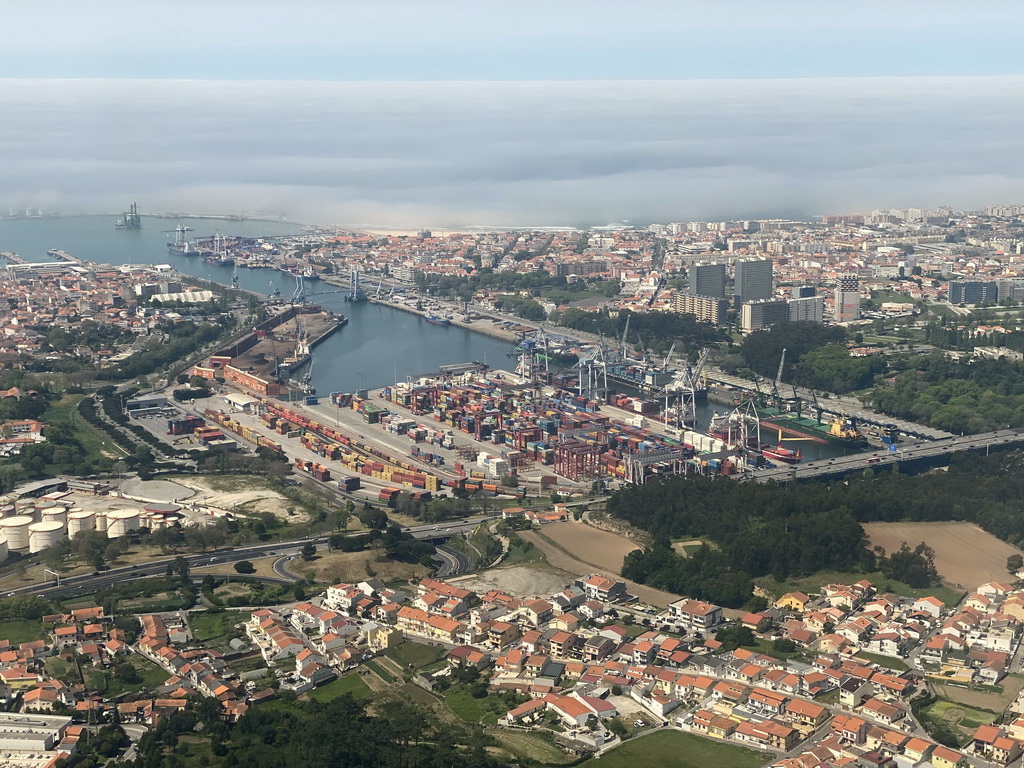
{"type": "Point", "coordinates": [121, 522]}
{"type": "Point", "coordinates": [80, 521]}
{"type": "Point", "coordinates": [16, 530]}
{"type": "Point", "coordinates": [60, 514]}
{"type": "Point", "coordinates": [3, 549]}
{"type": "Point", "coordinates": [45, 535]}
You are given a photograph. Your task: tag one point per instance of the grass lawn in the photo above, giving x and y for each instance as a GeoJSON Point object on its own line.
{"type": "Point", "coordinates": [21, 630]}
{"type": "Point", "coordinates": [960, 717]}
{"type": "Point", "coordinates": [104, 681]}
{"type": "Point", "coordinates": [889, 662]}
{"type": "Point", "coordinates": [522, 552]}
{"type": "Point", "coordinates": [348, 684]}
{"type": "Point", "coordinates": [94, 441]}
{"type": "Point", "coordinates": [673, 749]}
{"type": "Point", "coordinates": [379, 669]}
{"type": "Point", "coordinates": [529, 746]}
{"type": "Point", "coordinates": [214, 628]}
{"type": "Point", "coordinates": [760, 645]}
{"type": "Point", "coordinates": [415, 655]}
{"type": "Point", "coordinates": [469, 709]}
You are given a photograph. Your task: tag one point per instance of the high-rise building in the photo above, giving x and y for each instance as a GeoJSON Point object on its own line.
{"type": "Point", "coordinates": [803, 291]}
{"type": "Point", "coordinates": [755, 315]}
{"type": "Point", "coordinates": [807, 308]}
{"type": "Point", "coordinates": [972, 292]}
{"type": "Point", "coordinates": [847, 299]}
{"type": "Point", "coordinates": [708, 280]}
{"type": "Point", "coordinates": [753, 280]}
{"type": "Point", "coordinates": [705, 308]}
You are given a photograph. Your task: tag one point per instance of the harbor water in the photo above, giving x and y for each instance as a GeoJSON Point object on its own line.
{"type": "Point", "coordinates": [379, 345]}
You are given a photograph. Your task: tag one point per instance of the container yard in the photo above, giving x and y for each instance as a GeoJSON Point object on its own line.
{"type": "Point", "coordinates": [476, 431]}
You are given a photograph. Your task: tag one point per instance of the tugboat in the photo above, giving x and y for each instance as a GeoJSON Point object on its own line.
{"type": "Point", "coordinates": [780, 452]}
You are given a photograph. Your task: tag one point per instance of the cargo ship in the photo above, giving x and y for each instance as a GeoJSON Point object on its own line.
{"type": "Point", "coordinates": [438, 320]}
{"type": "Point", "coordinates": [839, 430]}
{"type": "Point", "coordinates": [780, 452]}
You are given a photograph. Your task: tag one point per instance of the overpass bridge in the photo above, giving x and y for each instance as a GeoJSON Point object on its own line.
{"type": "Point", "coordinates": [922, 453]}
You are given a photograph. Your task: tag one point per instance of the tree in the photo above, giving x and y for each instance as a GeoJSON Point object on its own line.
{"type": "Point", "coordinates": [1014, 563]}
{"type": "Point", "coordinates": [733, 636]}
{"type": "Point", "coordinates": [181, 568]}
{"type": "Point", "coordinates": [308, 551]}
{"type": "Point", "coordinates": [245, 566]}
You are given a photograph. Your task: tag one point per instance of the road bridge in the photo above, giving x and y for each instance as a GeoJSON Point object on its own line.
{"type": "Point", "coordinates": [908, 454]}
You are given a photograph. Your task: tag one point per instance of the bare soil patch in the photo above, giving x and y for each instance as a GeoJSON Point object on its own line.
{"type": "Point", "coordinates": [337, 567]}
{"type": "Point", "coordinates": [519, 580]}
{"type": "Point", "coordinates": [242, 493]}
{"type": "Point", "coordinates": [987, 700]}
{"type": "Point", "coordinates": [964, 553]}
{"type": "Point", "coordinates": [560, 559]}
{"type": "Point", "coordinates": [602, 549]}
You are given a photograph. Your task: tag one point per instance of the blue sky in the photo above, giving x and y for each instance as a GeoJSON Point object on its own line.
{"type": "Point", "coordinates": [352, 40]}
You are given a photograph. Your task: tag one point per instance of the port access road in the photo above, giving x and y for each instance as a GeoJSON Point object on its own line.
{"type": "Point", "coordinates": [906, 454]}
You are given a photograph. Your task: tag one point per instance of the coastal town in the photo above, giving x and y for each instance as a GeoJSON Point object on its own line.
{"type": "Point", "coordinates": [147, 595]}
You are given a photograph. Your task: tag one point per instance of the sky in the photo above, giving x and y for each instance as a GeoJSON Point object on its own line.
{"type": "Point", "coordinates": [510, 114]}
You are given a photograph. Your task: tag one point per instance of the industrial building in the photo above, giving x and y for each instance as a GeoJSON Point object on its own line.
{"type": "Point", "coordinates": [20, 732]}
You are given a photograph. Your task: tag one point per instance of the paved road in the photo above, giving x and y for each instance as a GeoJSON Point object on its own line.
{"type": "Point", "coordinates": [908, 452]}
{"type": "Point", "coordinates": [104, 579]}
{"type": "Point", "coordinates": [453, 562]}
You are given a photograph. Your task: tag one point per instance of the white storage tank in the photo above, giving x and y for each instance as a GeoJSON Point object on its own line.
{"type": "Point", "coordinates": [25, 506]}
{"type": "Point", "coordinates": [16, 530]}
{"type": "Point", "coordinates": [121, 522]}
{"type": "Point", "coordinates": [79, 521]}
{"type": "Point", "coordinates": [6, 510]}
{"type": "Point", "coordinates": [60, 514]}
{"type": "Point", "coordinates": [45, 535]}
{"type": "Point", "coordinates": [3, 549]}
{"type": "Point", "coordinates": [101, 521]}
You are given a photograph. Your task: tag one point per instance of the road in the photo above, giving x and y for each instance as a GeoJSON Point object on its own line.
{"type": "Point", "coordinates": [103, 579]}
{"type": "Point", "coordinates": [908, 453]}
{"type": "Point", "coordinates": [453, 562]}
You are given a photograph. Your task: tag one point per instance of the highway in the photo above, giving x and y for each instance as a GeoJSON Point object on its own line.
{"type": "Point", "coordinates": [907, 453]}
{"type": "Point", "coordinates": [453, 562]}
{"type": "Point", "coordinates": [97, 580]}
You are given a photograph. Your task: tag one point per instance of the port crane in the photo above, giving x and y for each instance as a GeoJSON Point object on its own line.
{"type": "Point", "coordinates": [684, 387]}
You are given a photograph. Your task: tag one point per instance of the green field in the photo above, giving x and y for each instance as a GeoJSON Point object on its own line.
{"type": "Point", "coordinates": [20, 631]}
{"type": "Point", "coordinates": [211, 628]}
{"type": "Point", "coordinates": [94, 441]}
{"type": "Point", "coordinates": [673, 749]}
{"type": "Point", "coordinates": [522, 552]}
{"type": "Point", "coordinates": [469, 709]}
{"type": "Point", "coordinates": [348, 684]}
{"type": "Point", "coordinates": [386, 676]}
{"type": "Point", "coordinates": [528, 745]}
{"type": "Point", "coordinates": [889, 662]}
{"type": "Point", "coordinates": [414, 655]}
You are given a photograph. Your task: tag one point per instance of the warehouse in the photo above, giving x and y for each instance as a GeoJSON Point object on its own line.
{"type": "Point", "coordinates": [21, 732]}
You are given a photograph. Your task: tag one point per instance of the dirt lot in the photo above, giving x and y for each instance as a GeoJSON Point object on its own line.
{"type": "Point", "coordinates": [600, 549]}
{"type": "Point", "coordinates": [336, 567]}
{"type": "Point", "coordinates": [964, 554]}
{"type": "Point", "coordinates": [988, 700]}
{"type": "Point", "coordinates": [559, 559]}
{"type": "Point", "coordinates": [519, 580]}
{"type": "Point", "coordinates": [242, 494]}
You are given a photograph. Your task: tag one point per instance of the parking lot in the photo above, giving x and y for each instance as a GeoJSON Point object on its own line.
{"type": "Point", "coordinates": [154, 421]}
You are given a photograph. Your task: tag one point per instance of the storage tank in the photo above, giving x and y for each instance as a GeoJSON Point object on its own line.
{"type": "Point", "coordinates": [24, 506]}
{"type": "Point", "coordinates": [6, 510]}
{"type": "Point", "coordinates": [16, 530]}
{"type": "Point", "coordinates": [122, 521]}
{"type": "Point", "coordinates": [45, 535]}
{"type": "Point", "coordinates": [101, 521]}
{"type": "Point", "coordinates": [45, 504]}
{"type": "Point", "coordinates": [60, 514]}
{"type": "Point", "coordinates": [80, 521]}
{"type": "Point", "coordinates": [3, 549]}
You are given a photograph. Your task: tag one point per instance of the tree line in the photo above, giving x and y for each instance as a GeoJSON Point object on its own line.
{"type": "Point", "coordinates": [791, 530]}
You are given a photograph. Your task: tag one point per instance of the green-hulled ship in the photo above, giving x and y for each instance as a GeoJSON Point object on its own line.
{"type": "Point", "coordinates": [838, 430]}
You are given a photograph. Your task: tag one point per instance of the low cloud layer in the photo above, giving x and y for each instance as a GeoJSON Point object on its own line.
{"type": "Point", "coordinates": [512, 154]}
